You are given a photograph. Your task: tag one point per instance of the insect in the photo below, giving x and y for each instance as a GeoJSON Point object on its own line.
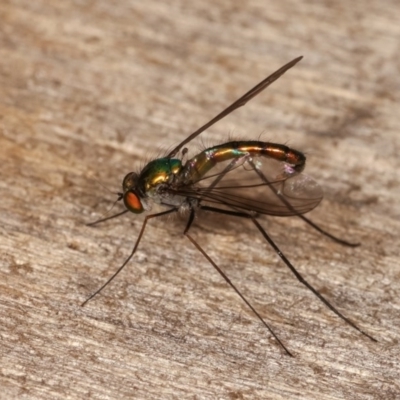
{"type": "Point", "coordinates": [243, 179]}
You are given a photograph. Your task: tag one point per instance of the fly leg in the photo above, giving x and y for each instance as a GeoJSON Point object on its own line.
{"type": "Point", "coordinates": [227, 280]}
{"type": "Point", "coordinates": [290, 207]}
{"type": "Point", "coordinates": [133, 250]}
{"type": "Point", "coordinates": [99, 221]}
{"type": "Point", "coordinates": [289, 265]}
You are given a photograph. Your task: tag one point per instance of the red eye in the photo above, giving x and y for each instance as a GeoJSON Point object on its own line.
{"type": "Point", "coordinates": [133, 203]}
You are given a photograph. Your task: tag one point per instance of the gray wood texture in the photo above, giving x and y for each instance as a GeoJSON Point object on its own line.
{"type": "Point", "coordinates": [90, 90]}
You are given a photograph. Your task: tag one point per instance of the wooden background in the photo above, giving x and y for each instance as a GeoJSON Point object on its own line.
{"type": "Point", "coordinates": [90, 90]}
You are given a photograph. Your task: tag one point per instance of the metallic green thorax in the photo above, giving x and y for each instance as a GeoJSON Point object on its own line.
{"type": "Point", "coordinates": [162, 170]}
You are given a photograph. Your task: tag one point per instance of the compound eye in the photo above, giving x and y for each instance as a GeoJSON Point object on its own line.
{"type": "Point", "coordinates": [132, 202]}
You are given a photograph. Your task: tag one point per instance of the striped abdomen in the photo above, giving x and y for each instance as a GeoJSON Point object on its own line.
{"type": "Point", "coordinates": [199, 165]}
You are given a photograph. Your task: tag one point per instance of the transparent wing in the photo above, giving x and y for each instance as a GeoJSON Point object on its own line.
{"type": "Point", "coordinates": [238, 103]}
{"type": "Point", "coordinates": [257, 185]}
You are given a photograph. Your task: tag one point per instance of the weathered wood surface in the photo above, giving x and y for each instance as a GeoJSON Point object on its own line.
{"type": "Point", "coordinates": [88, 92]}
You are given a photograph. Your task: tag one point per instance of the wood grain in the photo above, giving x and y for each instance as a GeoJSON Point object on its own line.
{"type": "Point", "coordinates": [91, 90]}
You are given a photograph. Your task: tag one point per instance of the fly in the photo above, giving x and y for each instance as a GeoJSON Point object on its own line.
{"type": "Point", "coordinates": [242, 179]}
